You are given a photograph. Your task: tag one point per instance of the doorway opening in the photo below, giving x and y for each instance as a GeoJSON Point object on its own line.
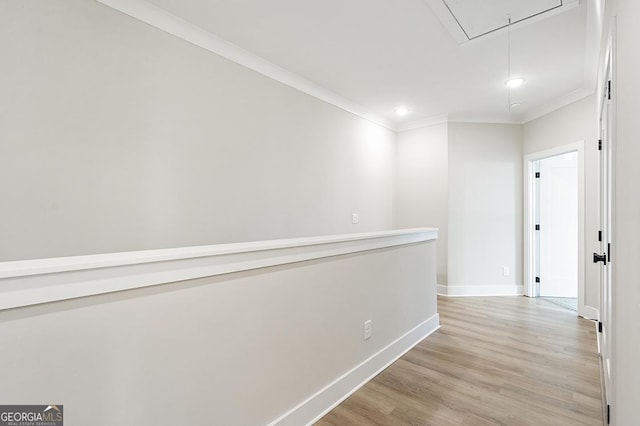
{"type": "Point", "coordinates": [554, 226]}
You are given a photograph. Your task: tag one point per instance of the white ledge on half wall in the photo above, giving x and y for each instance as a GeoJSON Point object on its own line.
{"type": "Point", "coordinates": [30, 282]}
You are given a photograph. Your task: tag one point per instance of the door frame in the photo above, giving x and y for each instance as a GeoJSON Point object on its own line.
{"type": "Point", "coordinates": [529, 220]}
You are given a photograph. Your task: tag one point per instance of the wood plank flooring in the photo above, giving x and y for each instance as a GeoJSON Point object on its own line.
{"type": "Point", "coordinates": [495, 361]}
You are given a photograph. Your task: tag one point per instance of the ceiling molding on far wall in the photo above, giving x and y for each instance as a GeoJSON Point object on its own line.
{"type": "Point", "coordinates": [557, 103]}
{"type": "Point", "coordinates": [460, 118]}
{"type": "Point", "coordinates": [165, 21]}
{"type": "Point", "coordinates": [538, 112]}
{"type": "Point", "coordinates": [485, 118]}
{"type": "Point", "coordinates": [425, 122]}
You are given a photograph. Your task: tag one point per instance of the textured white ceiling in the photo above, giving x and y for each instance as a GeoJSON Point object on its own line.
{"type": "Point", "coordinates": [380, 54]}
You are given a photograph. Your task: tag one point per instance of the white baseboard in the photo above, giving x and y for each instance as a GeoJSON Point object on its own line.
{"type": "Point", "coordinates": [480, 290]}
{"type": "Point", "coordinates": [323, 401]}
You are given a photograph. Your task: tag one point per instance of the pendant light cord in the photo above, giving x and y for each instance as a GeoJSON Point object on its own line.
{"type": "Point", "coordinates": [509, 62]}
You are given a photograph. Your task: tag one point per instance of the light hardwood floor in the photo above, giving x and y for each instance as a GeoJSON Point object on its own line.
{"type": "Point", "coordinates": [495, 361]}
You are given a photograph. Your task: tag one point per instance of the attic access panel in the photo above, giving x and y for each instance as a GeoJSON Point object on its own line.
{"type": "Point", "coordinates": [468, 20]}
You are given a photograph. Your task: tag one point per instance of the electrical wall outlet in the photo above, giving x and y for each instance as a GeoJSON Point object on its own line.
{"type": "Point", "coordinates": [355, 218]}
{"type": "Point", "coordinates": [367, 329]}
{"type": "Point", "coordinates": [505, 271]}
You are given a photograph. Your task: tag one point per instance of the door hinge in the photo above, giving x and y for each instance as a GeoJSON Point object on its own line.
{"type": "Point", "coordinates": [599, 326]}
{"type": "Point", "coordinates": [537, 279]}
{"type": "Point", "coordinates": [537, 175]}
{"type": "Point", "coordinates": [609, 89]}
{"type": "Point", "coordinates": [599, 235]}
{"type": "Point", "coordinates": [608, 414]}
{"type": "Point", "coordinates": [537, 227]}
{"type": "Point", "coordinates": [608, 252]}
{"type": "Point", "coordinates": [599, 144]}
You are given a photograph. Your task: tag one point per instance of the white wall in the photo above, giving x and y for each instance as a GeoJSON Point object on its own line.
{"type": "Point", "coordinates": [485, 208]}
{"type": "Point", "coordinates": [421, 185]}
{"type": "Point", "coordinates": [626, 247]}
{"type": "Point", "coordinates": [115, 136]}
{"type": "Point", "coordinates": [573, 123]}
{"type": "Point", "coordinates": [465, 179]}
{"type": "Point", "coordinates": [465, 175]}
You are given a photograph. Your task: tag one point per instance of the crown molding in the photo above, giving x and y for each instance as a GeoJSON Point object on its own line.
{"type": "Point", "coordinates": [557, 103]}
{"type": "Point", "coordinates": [485, 118]}
{"type": "Point", "coordinates": [425, 122]}
{"type": "Point", "coordinates": [165, 21]}
{"type": "Point", "coordinates": [535, 113]}
{"type": "Point", "coordinates": [460, 118]}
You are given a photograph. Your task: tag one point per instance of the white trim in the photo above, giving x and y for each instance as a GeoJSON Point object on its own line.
{"type": "Point", "coordinates": [535, 113]}
{"type": "Point", "coordinates": [556, 104]}
{"type": "Point", "coordinates": [165, 21]}
{"type": "Point", "coordinates": [529, 217]}
{"type": "Point", "coordinates": [485, 118]}
{"type": "Point", "coordinates": [30, 282]}
{"type": "Point", "coordinates": [425, 122]}
{"type": "Point", "coordinates": [460, 118]}
{"type": "Point", "coordinates": [316, 406]}
{"type": "Point", "coordinates": [480, 290]}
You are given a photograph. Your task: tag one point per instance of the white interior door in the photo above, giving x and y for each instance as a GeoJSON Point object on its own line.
{"type": "Point", "coordinates": [558, 225]}
{"type": "Point", "coordinates": [606, 226]}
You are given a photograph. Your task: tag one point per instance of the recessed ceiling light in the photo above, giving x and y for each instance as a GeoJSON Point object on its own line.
{"type": "Point", "coordinates": [516, 104]}
{"type": "Point", "coordinates": [515, 82]}
{"type": "Point", "coordinates": [402, 110]}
